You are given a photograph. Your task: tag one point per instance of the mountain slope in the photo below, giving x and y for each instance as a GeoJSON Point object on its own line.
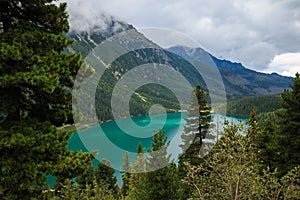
{"type": "Point", "coordinates": [244, 106]}
{"type": "Point", "coordinates": [238, 80]}
{"type": "Point", "coordinates": [146, 95]}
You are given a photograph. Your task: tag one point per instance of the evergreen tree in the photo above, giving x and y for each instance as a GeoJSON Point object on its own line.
{"type": "Point", "coordinates": [35, 94]}
{"type": "Point", "coordinates": [139, 164]}
{"type": "Point", "coordinates": [105, 175]}
{"type": "Point", "coordinates": [138, 186]}
{"type": "Point", "coordinates": [29, 153]}
{"type": "Point", "coordinates": [280, 138]}
{"type": "Point", "coordinates": [95, 182]}
{"type": "Point", "coordinates": [266, 142]}
{"type": "Point", "coordinates": [229, 170]}
{"type": "Point", "coordinates": [162, 178]}
{"type": "Point", "coordinates": [125, 175]}
{"type": "Point", "coordinates": [288, 136]}
{"type": "Point", "coordinates": [232, 170]}
{"type": "Point", "coordinates": [87, 177]}
{"type": "Point", "coordinates": [158, 156]}
{"type": "Point", "coordinates": [69, 190]}
{"type": "Point", "coordinates": [197, 127]}
{"type": "Point", "coordinates": [35, 73]}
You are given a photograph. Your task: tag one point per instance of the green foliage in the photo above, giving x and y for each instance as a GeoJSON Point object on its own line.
{"type": "Point", "coordinates": [228, 171]}
{"type": "Point", "coordinates": [280, 138]}
{"type": "Point", "coordinates": [101, 178]}
{"type": "Point", "coordinates": [267, 140]}
{"type": "Point", "coordinates": [161, 173]}
{"type": "Point", "coordinates": [137, 188]}
{"type": "Point", "coordinates": [289, 130]}
{"type": "Point", "coordinates": [35, 94]}
{"type": "Point", "coordinates": [105, 174]}
{"type": "Point", "coordinates": [30, 151]}
{"type": "Point", "coordinates": [89, 191]}
{"type": "Point", "coordinates": [36, 77]}
{"type": "Point", "coordinates": [198, 127]}
{"type": "Point", "coordinates": [291, 184]}
{"type": "Point", "coordinates": [244, 106]}
{"type": "Point", "coordinates": [152, 184]}
{"type": "Point", "coordinates": [125, 175]}
{"type": "Point", "coordinates": [35, 73]}
{"type": "Point", "coordinates": [232, 170]}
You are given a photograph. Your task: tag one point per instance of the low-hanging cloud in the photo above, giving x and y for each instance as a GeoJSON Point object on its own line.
{"type": "Point", "coordinates": [252, 32]}
{"type": "Point", "coordinates": [287, 64]}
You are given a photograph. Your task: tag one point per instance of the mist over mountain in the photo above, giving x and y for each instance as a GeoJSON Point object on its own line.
{"type": "Point", "coordinates": [239, 81]}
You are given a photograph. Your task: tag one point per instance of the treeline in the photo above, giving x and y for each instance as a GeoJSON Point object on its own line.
{"type": "Point", "coordinates": [242, 107]}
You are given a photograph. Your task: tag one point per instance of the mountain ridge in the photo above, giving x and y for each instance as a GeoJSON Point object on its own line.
{"type": "Point", "coordinates": [239, 81]}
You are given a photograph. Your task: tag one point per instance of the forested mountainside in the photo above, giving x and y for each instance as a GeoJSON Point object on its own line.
{"type": "Point", "coordinates": [148, 94]}
{"type": "Point", "coordinates": [239, 81]}
{"type": "Point", "coordinates": [244, 106]}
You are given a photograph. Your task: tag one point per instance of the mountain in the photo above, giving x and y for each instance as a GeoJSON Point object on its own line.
{"type": "Point", "coordinates": [146, 95]}
{"type": "Point", "coordinates": [239, 81]}
{"type": "Point", "coordinates": [85, 41]}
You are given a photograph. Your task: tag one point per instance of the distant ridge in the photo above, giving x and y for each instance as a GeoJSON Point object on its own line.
{"type": "Point", "coordinates": [239, 81]}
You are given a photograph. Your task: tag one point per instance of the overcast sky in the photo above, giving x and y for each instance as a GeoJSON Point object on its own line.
{"type": "Point", "coordinates": [263, 35]}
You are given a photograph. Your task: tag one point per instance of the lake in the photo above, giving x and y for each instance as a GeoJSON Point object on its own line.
{"type": "Point", "coordinates": [111, 142]}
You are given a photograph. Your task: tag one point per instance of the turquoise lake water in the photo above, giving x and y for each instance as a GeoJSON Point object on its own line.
{"type": "Point", "coordinates": [111, 142]}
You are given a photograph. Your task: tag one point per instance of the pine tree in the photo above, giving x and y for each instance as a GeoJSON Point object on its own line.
{"type": "Point", "coordinates": [162, 172]}
{"type": "Point", "coordinates": [35, 74]}
{"type": "Point", "coordinates": [96, 183]}
{"type": "Point", "coordinates": [266, 142]}
{"type": "Point", "coordinates": [161, 181]}
{"type": "Point", "coordinates": [87, 177]}
{"type": "Point", "coordinates": [158, 156]}
{"type": "Point", "coordinates": [91, 191]}
{"type": "Point", "coordinates": [35, 96]}
{"type": "Point", "coordinates": [138, 185]}
{"type": "Point", "coordinates": [229, 171]}
{"type": "Point", "coordinates": [288, 134]}
{"type": "Point", "coordinates": [197, 127]}
{"type": "Point", "coordinates": [105, 175]}
{"type": "Point", "coordinates": [232, 170]}
{"type": "Point", "coordinates": [125, 175]}
{"type": "Point", "coordinates": [280, 136]}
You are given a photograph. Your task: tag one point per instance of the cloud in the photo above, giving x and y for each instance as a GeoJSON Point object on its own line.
{"type": "Point", "coordinates": [287, 64]}
{"type": "Point", "coordinates": [251, 32]}
{"type": "Point", "coordinates": [257, 55]}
